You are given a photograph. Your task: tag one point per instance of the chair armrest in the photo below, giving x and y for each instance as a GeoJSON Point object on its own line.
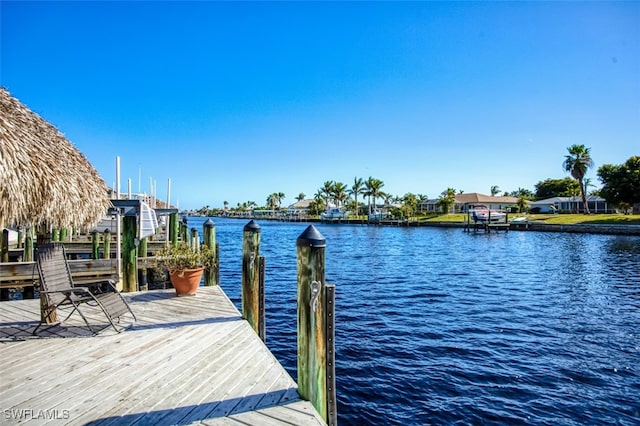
{"type": "Point", "coordinates": [67, 291]}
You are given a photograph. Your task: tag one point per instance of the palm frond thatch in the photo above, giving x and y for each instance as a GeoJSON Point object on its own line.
{"type": "Point", "coordinates": [44, 178]}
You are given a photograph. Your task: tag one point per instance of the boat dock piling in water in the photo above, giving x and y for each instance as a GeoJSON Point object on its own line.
{"type": "Point", "coordinates": [316, 326]}
{"type": "Point", "coordinates": [253, 279]}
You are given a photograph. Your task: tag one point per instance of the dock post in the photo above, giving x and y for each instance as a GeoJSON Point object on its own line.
{"type": "Point", "coordinates": [252, 293]}
{"type": "Point", "coordinates": [217, 263]}
{"type": "Point", "coordinates": [194, 241]}
{"type": "Point", "coordinates": [209, 234]}
{"type": "Point", "coordinates": [95, 245]}
{"type": "Point", "coordinates": [107, 244]}
{"type": "Point", "coordinates": [4, 257]}
{"type": "Point", "coordinates": [173, 229]}
{"type": "Point", "coordinates": [142, 272]}
{"type": "Point", "coordinates": [55, 234]}
{"type": "Point", "coordinates": [64, 234]}
{"type": "Point", "coordinates": [184, 232]}
{"type": "Point", "coordinates": [129, 269]}
{"type": "Point", "coordinates": [28, 245]}
{"type": "Point", "coordinates": [316, 319]}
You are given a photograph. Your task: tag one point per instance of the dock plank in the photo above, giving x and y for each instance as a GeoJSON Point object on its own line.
{"type": "Point", "coordinates": [187, 360]}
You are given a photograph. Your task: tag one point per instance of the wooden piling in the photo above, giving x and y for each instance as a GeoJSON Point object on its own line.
{"type": "Point", "coordinates": [251, 291]}
{"type": "Point", "coordinates": [95, 245]}
{"type": "Point", "coordinates": [194, 241]}
{"type": "Point", "coordinates": [209, 234]}
{"type": "Point", "coordinates": [316, 356]}
{"type": "Point", "coordinates": [4, 246]}
{"type": "Point", "coordinates": [142, 272]}
{"type": "Point", "coordinates": [107, 243]}
{"type": "Point", "coordinates": [184, 231]}
{"type": "Point", "coordinates": [129, 269]}
{"type": "Point", "coordinates": [173, 229]}
{"type": "Point", "coordinates": [28, 245]}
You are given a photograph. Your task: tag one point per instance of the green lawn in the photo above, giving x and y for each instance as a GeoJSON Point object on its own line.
{"type": "Point", "coordinates": [564, 219]}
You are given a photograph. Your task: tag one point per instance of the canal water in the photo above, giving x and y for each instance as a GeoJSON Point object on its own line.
{"type": "Point", "coordinates": [437, 326]}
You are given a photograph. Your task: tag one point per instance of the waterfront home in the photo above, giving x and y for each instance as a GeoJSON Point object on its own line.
{"type": "Point", "coordinates": [465, 202]}
{"type": "Point", "coordinates": [571, 204]}
{"type": "Point", "coordinates": [299, 207]}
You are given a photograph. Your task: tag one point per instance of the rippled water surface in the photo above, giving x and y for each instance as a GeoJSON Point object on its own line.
{"type": "Point", "coordinates": [437, 326]}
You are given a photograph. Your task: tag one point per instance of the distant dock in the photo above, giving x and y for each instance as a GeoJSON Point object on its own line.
{"type": "Point", "coordinates": [186, 360]}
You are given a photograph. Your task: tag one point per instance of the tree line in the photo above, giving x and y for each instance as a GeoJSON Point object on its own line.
{"type": "Point", "coordinates": [620, 188]}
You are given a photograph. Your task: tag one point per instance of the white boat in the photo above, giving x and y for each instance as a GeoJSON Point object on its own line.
{"type": "Point", "coordinates": [334, 213]}
{"type": "Point", "coordinates": [481, 213]}
{"type": "Point", "coordinates": [377, 216]}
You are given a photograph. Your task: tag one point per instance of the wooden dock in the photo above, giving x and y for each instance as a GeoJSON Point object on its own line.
{"type": "Point", "coordinates": [187, 360]}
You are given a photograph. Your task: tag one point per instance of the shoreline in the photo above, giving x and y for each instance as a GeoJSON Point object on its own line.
{"type": "Point", "coordinates": [631, 230]}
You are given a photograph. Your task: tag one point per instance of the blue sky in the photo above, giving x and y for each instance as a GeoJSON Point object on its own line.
{"type": "Point", "coordinates": [236, 100]}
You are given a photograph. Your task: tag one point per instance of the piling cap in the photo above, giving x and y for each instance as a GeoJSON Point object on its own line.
{"type": "Point", "coordinates": [252, 226]}
{"type": "Point", "coordinates": [311, 237]}
{"type": "Point", "coordinates": [209, 224]}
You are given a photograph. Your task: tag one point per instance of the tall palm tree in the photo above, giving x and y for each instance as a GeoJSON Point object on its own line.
{"type": "Point", "coordinates": [272, 201]}
{"type": "Point", "coordinates": [376, 189]}
{"type": "Point", "coordinates": [356, 189]}
{"type": "Point", "coordinates": [577, 162]}
{"type": "Point", "coordinates": [495, 190]}
{"type": "Point", "coordinates": [327, 190]}
{"type": "Point", "coordinates": [368, 190]}
{"type": "Point", "coordinates": [279, 198]}
{"type": "Point", "coordinates": [301, 196]}
{"type": "Point", "coordinates": [339, 193]}
{"type": "Point", "coordinates": [373, 189]}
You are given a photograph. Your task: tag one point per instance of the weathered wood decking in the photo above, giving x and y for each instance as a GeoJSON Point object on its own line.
{"type": "Point", "coordinates": [186, 360]}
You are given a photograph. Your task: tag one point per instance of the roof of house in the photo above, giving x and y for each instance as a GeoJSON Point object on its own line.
{"type": "Point", "coordinates": [474, 197]}
{"type": "Point", "coordinates": [302, 204]}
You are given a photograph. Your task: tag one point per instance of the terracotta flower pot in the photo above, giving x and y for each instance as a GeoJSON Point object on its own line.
{"type": "Point", "coordinates": [186, 281]}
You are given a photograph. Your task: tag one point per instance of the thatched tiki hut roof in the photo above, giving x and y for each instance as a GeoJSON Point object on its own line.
{"type": "Point", "coordinates": [44, 179]}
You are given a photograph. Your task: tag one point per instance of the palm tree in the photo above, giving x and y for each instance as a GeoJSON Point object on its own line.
{"type": "Point", "coordinates": [356, 188]}
{"type": "Point", "coordinates": [272, 201]}
{"type": "Point", "coordinates": [495, 190]}
{"type": "Point", "coordinates": [577, 162]}
{"type": "Point", "coordinates": [376, 190]}
{"type": "Point", "coordinates": [447, 199]}
{"type": "Point", "coordinates": [327, 190]}
{"type": "Point", "coordinates": [373, 189]}
{"type": "Point", "coordinates": [422, 198]}
{"type": "Point", "coordinates": [368, 185]}
{"type": "Point", "coordinates": [320, 198]}
{"type": "Point", "coordinates": [301, 196]}
{"type": "Point", "coordinates": [339, 193]}
{"type": "Point", "coordinates": [409, 204]}
{"type": "Point", "coordinates": [279, 198]}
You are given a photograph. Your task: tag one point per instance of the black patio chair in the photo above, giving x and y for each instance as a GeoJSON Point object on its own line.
{"type": "Point", "coordinates": [56, 283]}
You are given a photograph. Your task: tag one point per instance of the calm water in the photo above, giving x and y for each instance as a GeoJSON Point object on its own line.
{"type": "Point", "coordinates": [436, 326]}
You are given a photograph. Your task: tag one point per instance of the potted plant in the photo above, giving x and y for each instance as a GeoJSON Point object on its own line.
{"type": "Point", "coordinates": [186, 265]}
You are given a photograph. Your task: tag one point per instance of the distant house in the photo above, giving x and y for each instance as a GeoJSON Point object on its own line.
{"type": "Point", "coordinates": [571, 204]}
{"type": "Point", "coordinates": [299, 207]}
{"type": "Point", "coordinates": [464, 202]}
